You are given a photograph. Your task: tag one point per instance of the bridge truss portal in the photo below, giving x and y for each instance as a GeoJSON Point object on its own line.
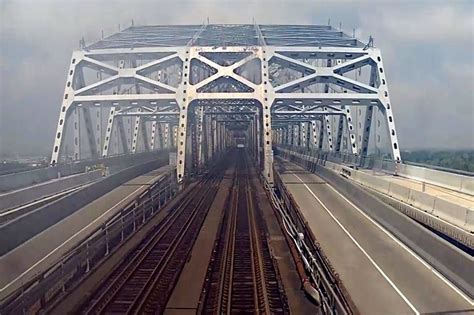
{"type": "Point", "coordinates": [194, 87]}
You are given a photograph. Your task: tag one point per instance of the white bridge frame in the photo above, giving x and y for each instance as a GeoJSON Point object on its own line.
{"type": "Point", "coordinates": [272, 112]}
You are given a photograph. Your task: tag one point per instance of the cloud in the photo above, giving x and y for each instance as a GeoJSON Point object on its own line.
{"type": "Point", "coordinates": [427, 47]}
{"type": "Point", "coordinates": [436, 23]}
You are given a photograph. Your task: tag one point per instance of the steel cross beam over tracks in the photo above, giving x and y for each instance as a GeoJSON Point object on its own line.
{"type": "Point", "coordinates": [181, 78]}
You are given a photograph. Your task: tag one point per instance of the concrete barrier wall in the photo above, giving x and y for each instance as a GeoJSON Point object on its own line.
{"type": "Point", "coordinates": [448, 180]}
{"type": "Point", "coordinates": [18, 180]}
{"type": "Point", "coordinates": [446, 210]}
{"type": "Point", "coordinates": [452, 213]}
{"type": "Point", "coordinates": [334, 166]}
{"type": "Point", "coordinates": [29, 194]}
{"type": "Point", "coordinates": [25, 227]}
{"type": "Point", "coordinates": [421, 201]}
{"type": "Point", "coordinates": [470, 221]}
{"type": "Point", "coordinates": [15, 181]}
{"type": "Point", "coordinates": [399, 192]}
{"type": "Point", "coordinates": [371, 181]}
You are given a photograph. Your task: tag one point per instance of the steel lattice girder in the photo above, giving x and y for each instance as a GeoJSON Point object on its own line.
{"type": "Point", "coordinates": [159, 71]}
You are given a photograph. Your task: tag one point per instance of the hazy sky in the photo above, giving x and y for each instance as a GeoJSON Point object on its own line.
{"type": "Point", "coordinates": [428, 49]}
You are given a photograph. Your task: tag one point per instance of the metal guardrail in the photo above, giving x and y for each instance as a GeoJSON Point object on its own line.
{"type": "Point", "coordinates": [333, 296]}
{"type": "Point", "coordinates": [52, 284]}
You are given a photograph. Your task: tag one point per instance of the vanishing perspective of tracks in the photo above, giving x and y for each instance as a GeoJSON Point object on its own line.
{"type": "Point", "coordinates": [144, 282]}
{"type": "Point", "coordinates": [242, 276]}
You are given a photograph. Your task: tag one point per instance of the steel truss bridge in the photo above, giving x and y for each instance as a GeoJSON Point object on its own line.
{"type": "Point", "coordinates": [196, 87]}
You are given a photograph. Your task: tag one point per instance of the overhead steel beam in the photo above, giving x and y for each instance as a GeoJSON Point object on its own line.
{"type": "Point", "coordinates": [145, 72]}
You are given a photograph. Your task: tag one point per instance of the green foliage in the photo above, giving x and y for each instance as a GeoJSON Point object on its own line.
{"type": "Point", "coordinates": [461, 160]}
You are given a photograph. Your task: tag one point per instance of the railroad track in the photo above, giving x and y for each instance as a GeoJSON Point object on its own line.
{"type": "Point", "coordinates": [144, 281]}
{"type": "Point", "coordinates": [242, 275]}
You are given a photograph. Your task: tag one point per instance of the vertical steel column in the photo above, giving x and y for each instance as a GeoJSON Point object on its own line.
{"type": "Point", "coordinates": [368, 116]}
{"type": "Point", "coordinates": [99, 129]}
{"type": "Point", "coordinates": [308, 136]}
{"type": "Point", "coordinates": [87, 116]}
{"type": "Point", "coordinates": [303, 134]}
{"type": "Point", "coordinates": [183, 101]}
{"type": "Point", "coordinates": [153, 135]}
{"type": "Point", "coordinates": [211, 137]}
{"type": "Point", "coordinates": [328, 132]}
{"type": "Point", "coordinates": [200, 121]}
{"type": "Point", "coordinates": [250, 140]}
{"type": "Point", "coordinates": [340, 130]}
{"type": "Point", "coordinates": [65, 110]}
{"type": "Point", "coordinates": [144, 129]}
{"type": "Point", "coordinates": [175, 136]}
{"type": "Point", "coordinates": [222, 137]}
{"type": "Point", "coordinates": [314, 134]}
{"type": "Point", "coordinates": [108, 132]}
{"type": "Point", "coordinates": [77, 133]}
{"type": "Point", "coordinates": [115, 143]}
{"type": "Point", "coordinates": [123, 135]}
{"type": "Point", "coordinates": [299, 138]}
{"type": "Point", "coordinates": [218, 137]}
{"type": "Point", "coordinates": [296, 133]}
{"type": "Point", "coordinates": [267, 145]}
{"type": "Point", "coordinates": [214, 136]}
{"type": "Point", "coordinates": [290, 134]}
{"type": "Point", "coordinates": [135, 132]}
{"type": "Point", "coordinates": [386, 107]}
{"type": "Point", "coordinates": [351, 130]}
{"type": "Point", "coordinates": [90, 131]}
{"type": "Point", "coordinates": [321, 134]}
{"type": "Point", "coordinates": [194, 141]}
{"type": "Point", "coordinates": [205, 139]}
{"type": "Point", "coordinates": [326, 117]}
{"type": "Point", "coordinates": [167, 136]}
{"type": "Point", "coordinates": [258, 136]}
{"type": "Point", "coordinates": [253, 124]}
{"type": "Point", "coordinates": [160, 136]}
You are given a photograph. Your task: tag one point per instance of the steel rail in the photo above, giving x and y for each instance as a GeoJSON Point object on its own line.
{"type": "Point", "coordinates": [155, 294]}
{"type": "Point", "coordinates": [171, 231]}
{"type": "Point", "coordinates": [242, 274]}
{"type": "Point", "coordinates": [121, 274]}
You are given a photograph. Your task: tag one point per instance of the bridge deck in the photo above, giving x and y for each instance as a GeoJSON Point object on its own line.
{"type": "Point", "coordinates": [37, 254]}
{"type": "Point", "coordinates": [380, 273]}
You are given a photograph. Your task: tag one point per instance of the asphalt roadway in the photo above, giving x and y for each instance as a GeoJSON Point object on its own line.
{"type": "Point", "coordinates": [381, 273]}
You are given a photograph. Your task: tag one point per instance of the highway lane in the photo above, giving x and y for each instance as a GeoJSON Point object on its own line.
{"type": "Point", "coordinates": [381, 273]}
{"type": "Point", "coordinates": [10, 214]}
{"type": "Point", "coordinates": [37, 254]}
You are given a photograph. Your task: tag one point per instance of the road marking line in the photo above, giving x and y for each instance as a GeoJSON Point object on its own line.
{"type": "Point", "coordinates": [32, 203]}
{"type": "Point", "coordinates": [361, 249]}
{"type": "Point", "coordinates": [70, 238]}
{"type": "Point", "coordinates": [409, 250]}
